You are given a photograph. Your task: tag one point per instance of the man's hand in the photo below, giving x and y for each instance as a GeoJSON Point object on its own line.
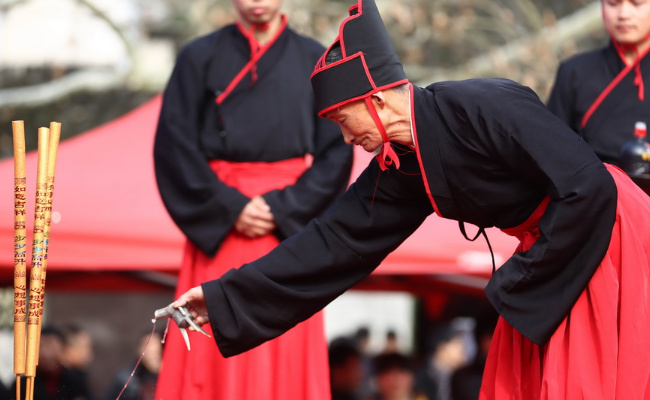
{"type": "Point", "coordinates": [194, 301]}
{"type": "Point", "coordinates": [256, 219]}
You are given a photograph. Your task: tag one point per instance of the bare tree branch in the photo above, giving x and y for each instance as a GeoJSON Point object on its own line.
{"type": "Point", "coordinates": [86, 80]}
{"type": "Point", "coordinates": [118, 31]}
{"type": "Point", "coordinates": [93, 79]}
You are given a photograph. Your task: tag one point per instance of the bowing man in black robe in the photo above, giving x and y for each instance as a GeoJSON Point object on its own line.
{"type": "Point", "coordinates": [573, 299]}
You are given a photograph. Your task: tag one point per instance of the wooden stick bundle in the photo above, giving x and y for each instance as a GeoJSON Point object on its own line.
{"type": "Point", "coordinates": [30, 310]}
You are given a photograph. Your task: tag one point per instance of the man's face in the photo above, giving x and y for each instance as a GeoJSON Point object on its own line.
{"type": "Point", "coordinates": [79, 352]}
{"type": "Point", "coordinates": [451, 354]}
{"type": "Point", "coordinates": [348, 377]}
{"type": "Point", "coordinates": [258, 11]}
{"type": "Point", "coordinates": [50, 354]}
{"type": "Point", "coordinates": [627, 21]}
{"type": "Point", "coordinates": [395, 384]}
{"type": "Point", "coordinates": [357, 126]}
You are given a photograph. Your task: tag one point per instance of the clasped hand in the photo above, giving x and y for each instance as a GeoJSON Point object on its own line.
{"type": "Point", "coordinates": [255, 219]}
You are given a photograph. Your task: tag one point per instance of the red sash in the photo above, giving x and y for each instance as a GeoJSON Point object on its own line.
{"type": "Point", "coordinates": [256, 178]}
{"type": "Point", "coordinates": [528, 231]}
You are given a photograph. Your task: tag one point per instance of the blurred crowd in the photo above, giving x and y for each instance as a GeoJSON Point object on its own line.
{"type": "Point", "coordinates": [65, 355]}
{"type": "Point", "coordinates": [449, 367]}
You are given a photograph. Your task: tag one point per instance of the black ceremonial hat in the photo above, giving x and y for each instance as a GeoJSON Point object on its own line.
{"type": "Point", "coordinates": [369, 62]}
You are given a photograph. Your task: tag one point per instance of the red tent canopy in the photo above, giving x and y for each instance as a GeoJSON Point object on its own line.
{"type": "Point", "coordinates": [109, 222]}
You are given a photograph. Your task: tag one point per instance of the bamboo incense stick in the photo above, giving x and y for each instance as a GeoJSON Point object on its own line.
{"type": "Point", "coordinates": [35, 289]}
{"type": "Point", "coordinates": [53, 146]}
{"type": "Point", "coordinates": [20, 251]}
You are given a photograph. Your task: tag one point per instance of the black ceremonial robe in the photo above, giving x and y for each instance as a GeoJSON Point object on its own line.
{"type": "Point", "coordinates": [257, 122]}
{"type": "Point", "coordinates": [488, 152]}
{"type": "Point", "coordinates": [580, 80]}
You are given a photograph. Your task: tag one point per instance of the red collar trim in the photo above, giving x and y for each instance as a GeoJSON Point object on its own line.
{"type": "Point", "coordinates": [257, 51]}
{"type": "Point", "coordinates": [636, 65]}
{"type": "Point", "coordinates": [427, 187]}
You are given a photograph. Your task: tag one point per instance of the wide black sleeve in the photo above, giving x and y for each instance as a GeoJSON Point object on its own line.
{"type": "Point", "coordinates": [561, 101]}
{"type": "Point", "coordinates": [535, 289]}
{"type": "Point", "coordinates": [328, 176]}
{"type": "Point", "coordinates": [203, 207]}
{"type": "Point", "coordinates": [263, 299]}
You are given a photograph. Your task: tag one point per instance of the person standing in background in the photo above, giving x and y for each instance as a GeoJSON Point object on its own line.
{"type": "Point", "coordinates": [394, 378]}
{"type": "Point", "coordinates": [446, 354]}
{"type": "Point", "coordinates": [466, 380]}
{"type": "Point", "coordinates": [142, 384]}
{"type": "Point", "coordinates": [78, 350]}
{"type": "Point", "coordinates": [345, 369]}
{"type": "Point", "coordinates": [242, 161]}
{"type": "Point", "coordinates": [602, 93]}
{"type": "Point", "coordinates": [391, 344]}
{"type": "Point", "coordinates": [362, 339]}
{"type": "Point", "coordinates": [4, 392]}
{"type": "Point", "coordinates": [53, 380]}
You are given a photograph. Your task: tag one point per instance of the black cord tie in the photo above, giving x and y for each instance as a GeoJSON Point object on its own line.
{"type": "Point", "coordinates": [481, 231]}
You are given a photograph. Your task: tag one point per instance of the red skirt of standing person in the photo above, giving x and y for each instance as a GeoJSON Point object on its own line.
{"type": "Point", "coordinates": [601, 350]}
{"type": "Point", "coordinates": [292, 366]}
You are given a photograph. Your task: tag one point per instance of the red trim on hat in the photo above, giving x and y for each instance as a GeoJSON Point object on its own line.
{"type": "Point", "coordinates": [321, 61]}
{"type": "Point", "coordinates": [359, 7]}
{"type": "Point", "coordinates": [334, 64]}
{"type": "Point", "coordinates": [341, 61]}
{"type": "Point", "coordinates": [365, 68]}
{"type": "Point", "coordinates": [339, 39]}
{"type": "Point", "coordinates": [257, 52]}
{"type": "Point", "coordinates": [361, 97]}
{"type": "Point", "coordinates": [417, 151]}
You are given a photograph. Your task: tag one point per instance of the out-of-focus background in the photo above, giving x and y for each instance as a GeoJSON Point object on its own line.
{"type": "Point", "coordinates": [84, 62]}
{"type": "Point", "coordinates": [87, 62]}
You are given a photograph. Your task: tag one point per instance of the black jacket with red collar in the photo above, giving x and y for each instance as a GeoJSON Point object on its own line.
{"type": "Point", "coordinates": [579, 82]}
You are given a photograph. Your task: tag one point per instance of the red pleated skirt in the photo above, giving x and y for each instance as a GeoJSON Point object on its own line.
{"type": "Point", "coordinates": [292, 366]}
{"type": "Point", "coordinates": [601, 350]}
